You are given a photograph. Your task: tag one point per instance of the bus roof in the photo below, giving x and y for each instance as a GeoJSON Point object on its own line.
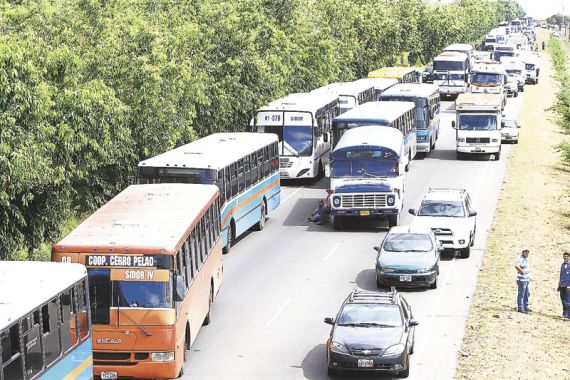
{"type": "Point", "coordinates": [33, 283]}
{"type": "Point", "coordinates": [344, 88]}
{"type": "Point", "coordinates": [372, 135]}
{"type": "Point", "coordinates": [421, 90]}
{"type": "Point", "coordinates": [302, 101]}
{"type": "Point", "coordinates": [376, 111]}
{"type": "Point", "coordinates": [379, 83]}
{"type": "Point", "coordinates": [451, 56]}
{"type": "Point", "coordinates": [476, 101]}
{"type": "Point", "coordinates": [141, 219]}
{"type": "Point", "coordinates": [459, 47]}
{"type": "Point", "coordinates": [397, 72]}
{"type": "Point", "coordinates": [215, 151]}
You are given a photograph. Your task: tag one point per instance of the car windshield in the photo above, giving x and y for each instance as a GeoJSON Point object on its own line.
{"type": "Point", "coordinates": [468, 122]}
{"type": "Point", "coordinates": [509, 123]}
{"type": "Point", "coordinates": [408, 243]}
{"type": "Point", "coordinates": [442, 208]}
{"type": "Point", "coordinates": [359, 168]}
{"type": "Point", "coordinates": [370, 315]}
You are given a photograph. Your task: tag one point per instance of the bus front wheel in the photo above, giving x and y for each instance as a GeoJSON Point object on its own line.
{"type": "Point", "coordinates": [337, 223]}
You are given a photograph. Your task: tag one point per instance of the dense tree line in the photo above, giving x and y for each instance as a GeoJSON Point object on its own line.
{"type": "Point", "coordinates": [89, 87]}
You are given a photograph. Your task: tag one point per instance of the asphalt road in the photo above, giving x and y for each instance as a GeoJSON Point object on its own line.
{"type": "Point", "coordinates": [280, 283]}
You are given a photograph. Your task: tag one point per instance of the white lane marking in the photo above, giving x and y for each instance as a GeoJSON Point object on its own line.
{"type": "Point", "coordinates": [431, 320]}
{"type": "Point", "coordinates": [290, 195]}
{"type": "Point", "coordinates": [331, 251]}
{"type": "Point", "coordinates": [272, 319]}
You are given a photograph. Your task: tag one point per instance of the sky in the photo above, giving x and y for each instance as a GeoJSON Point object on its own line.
{"type": "Point", "coordinates": [541, 9]}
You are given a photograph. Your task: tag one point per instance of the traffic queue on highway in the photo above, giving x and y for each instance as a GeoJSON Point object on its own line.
{"type": "Point", "coordinates": [153, 253]}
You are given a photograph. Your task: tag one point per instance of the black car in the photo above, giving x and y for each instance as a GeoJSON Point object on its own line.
{"type": "Point", "coordinates": [373, 331]}
{"type": "Point", "coordinates": [427, 75]}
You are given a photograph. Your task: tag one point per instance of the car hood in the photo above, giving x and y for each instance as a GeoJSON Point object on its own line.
{"type": "Point", "coordinates": [368, 337]}
{"type": "Point", "coordinates": [454, 224]}
{"type": "Point", "coordinates": [407, 260]}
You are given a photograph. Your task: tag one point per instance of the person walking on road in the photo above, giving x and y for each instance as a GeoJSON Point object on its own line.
{"type": "Point", "coordinates": [523, 281]}
{"type": "Point", "coordinates": [543, 45]}
{"type": "Point", "coordinates": [564, 286]}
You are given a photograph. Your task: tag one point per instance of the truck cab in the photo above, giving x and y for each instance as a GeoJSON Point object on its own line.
{"type": "Point", "coordinates": [489, 77]}
{"type": "Point", "coordinates": [478, 124]}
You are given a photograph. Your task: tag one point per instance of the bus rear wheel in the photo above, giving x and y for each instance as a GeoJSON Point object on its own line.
{"type": "Point", "coordinates": [228, 246]}
{"type": "Point", "coordinates": [208, 318]}
{"type": "Point", "coordinates": [261, 223]}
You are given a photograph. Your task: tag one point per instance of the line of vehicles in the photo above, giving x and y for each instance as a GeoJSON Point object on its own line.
{"type": "Point", "coordinates": [137, 279]}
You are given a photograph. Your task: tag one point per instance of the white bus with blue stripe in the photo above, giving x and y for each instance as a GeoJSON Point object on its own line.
{"type": "Point", "coordinates": [399, 115]}
{"type": "Point", "coordinates": [427, 100]}
{"type": "Point", "coordinates": [45, 323]}
{"type": "Point", "coordinates": [303, 123]}
{"type": "Point", "coordinates": [367, 175]}
{"type": "Point", "coordinates": [244, 166]}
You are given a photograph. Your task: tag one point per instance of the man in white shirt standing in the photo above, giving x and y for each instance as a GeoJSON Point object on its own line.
{"type": "Point", "coordinates": [523, 281]}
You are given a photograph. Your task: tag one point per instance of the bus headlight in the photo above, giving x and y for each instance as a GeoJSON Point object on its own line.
{"type": "Point", "coordinates": [391, 199]}
{"type": "Point", "coordinates": [336, 201]}
{"type": "Point", "coordinates": [162, 356]}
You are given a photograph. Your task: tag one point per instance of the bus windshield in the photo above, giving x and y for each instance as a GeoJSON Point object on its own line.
{"type": "Point", "coordinates": [514, 72]}
{"type": "Point", "coordinates": [364, 168]}
{"type": "Point", "coordinates": [485, 78]}
{"type": "Point", "coordinates": [529, 66]}
{"type": "Point", "coordinates": [468, 122]}
{"type": "Point", "coordinates": [450, 77]}
{"type": "Point", "coordinates": [449, 65]}
{"type": "Point", "coordinates": [105, 294]}
{"type": "Point", "coordinates": [295, 140]}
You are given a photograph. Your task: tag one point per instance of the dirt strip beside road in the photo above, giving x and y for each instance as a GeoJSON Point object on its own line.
{"type": "Point", "coordinates": [534, 211]}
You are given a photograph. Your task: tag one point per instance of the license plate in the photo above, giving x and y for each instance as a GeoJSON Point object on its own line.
{"type": "Point", "coordinates": [108, 375]}
{"type": "Point", "coordinates": [477, 149]}
{"type": "Point", "coordinates": [406, 278]}
{"type": "Point", "coordinates": [364, 213]}
{"type": "Point", "coordinates": [365, 363]}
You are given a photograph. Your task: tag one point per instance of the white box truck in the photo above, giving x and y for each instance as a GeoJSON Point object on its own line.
{"type": "Point", "coordinates": [478, 124]}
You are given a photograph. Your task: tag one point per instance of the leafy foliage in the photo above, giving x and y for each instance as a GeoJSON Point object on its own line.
{"type": "Point", "coordinates": [562, 106]}
{"type": "Point", "coordinates": [90, 87]}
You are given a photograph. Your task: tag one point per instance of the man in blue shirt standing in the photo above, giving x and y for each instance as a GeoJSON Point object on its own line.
{"type": "Point", "coordinates": [523, 281]}
{"type": "Point", "coordinates": [564, 286]}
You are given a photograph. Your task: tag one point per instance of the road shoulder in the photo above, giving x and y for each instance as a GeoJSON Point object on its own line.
{"type": "Point", "coordinates": [534, 211]}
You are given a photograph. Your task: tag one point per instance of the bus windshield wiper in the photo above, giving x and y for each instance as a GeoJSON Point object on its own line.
{"type": "Point", "coordinates": [145, 331]}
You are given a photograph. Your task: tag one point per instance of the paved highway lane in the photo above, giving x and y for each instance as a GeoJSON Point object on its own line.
{"type": "Point", "coordinates": [280, 283]}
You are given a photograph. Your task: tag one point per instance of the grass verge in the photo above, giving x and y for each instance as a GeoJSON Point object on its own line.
{"type": "Point", "coordinates": [533, 210]}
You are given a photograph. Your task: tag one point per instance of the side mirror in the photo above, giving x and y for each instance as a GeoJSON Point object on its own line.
{"type": "Point", "coordinates": [412, 211]}
{"type": "Point", "coordinates": [518, 125]}
{"type": "Point", "coordinates": [180, 289]}
{"type": "Point", "coordinates": [413, 323]}
{"type": "Point", "coordinates": [326, 137]}
{"type": "Point", "coordinates": [328, 170]}
{"type": "Point", "coordinates": [377, 248]}
{"type": "Point", "coordinates": [329, 321]}
{"type": "Point", "coordinates": [453, 124]}
{"type": "Point", "coordinates": [472, 213]}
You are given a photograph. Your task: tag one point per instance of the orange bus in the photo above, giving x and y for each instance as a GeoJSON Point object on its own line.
{"type": "Point", "coordinates": [154, 264]}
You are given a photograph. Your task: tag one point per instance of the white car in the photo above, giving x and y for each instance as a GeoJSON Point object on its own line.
{"type": "Point", "coordinates": [449, 214]}
{"type": "Point", "coordinates": [510, 131]}
{"type": "Point", "coordinates": [512, 87]}
{"type": "Point", "coordinates": [519, 78]}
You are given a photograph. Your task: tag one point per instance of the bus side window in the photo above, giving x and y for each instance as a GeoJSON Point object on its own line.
{"type": "Point", "coordinates": [234, 177]}
{"type": "Point", "coordinates": [227, 184]}
{"type": "Point", "coordinates": [241, 175]}
{"type": "Point", "coordinates": [247, 171]}
{"type": "Point", "coordinates": [11, 354]}
{"type": "Point", "coordinates": [207, 231]}
{"type": "Point", "coordinates": [82, 316]}
{"type": "Point", "coordinates": [30, 328]}
{"type": "Point", "coordinates": [50, 324]}
{"type": "Point", "coordinates": [266, 161]}
{"type": "Point", "coordinates": [203, 251]}
{"type": "Point", "coordinates": [194, 252]}
{"type": "Point", "coordinates": [68, 338]}
{"type": "Point", "coordinates": [253, 168]}
{"type": "Point", "coordinates": [274, 158]}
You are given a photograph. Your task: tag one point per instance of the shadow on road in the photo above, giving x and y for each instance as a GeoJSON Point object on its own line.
{"type": "Point", "coordinates": [315, 368]}
{"type": "Point", "coordinates": [320, 183]}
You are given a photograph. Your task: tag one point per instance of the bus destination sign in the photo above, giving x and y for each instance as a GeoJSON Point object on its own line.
{"type": "Point", "coordinates": [120, 261]}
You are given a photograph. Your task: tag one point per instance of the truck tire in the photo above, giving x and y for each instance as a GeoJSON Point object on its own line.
{"type": "Point", "coordinates": [465, 252]}
{"type": "Point", "coordinates": [393, 220]}
{"type": "Point", "coordinates": [337, 223]}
